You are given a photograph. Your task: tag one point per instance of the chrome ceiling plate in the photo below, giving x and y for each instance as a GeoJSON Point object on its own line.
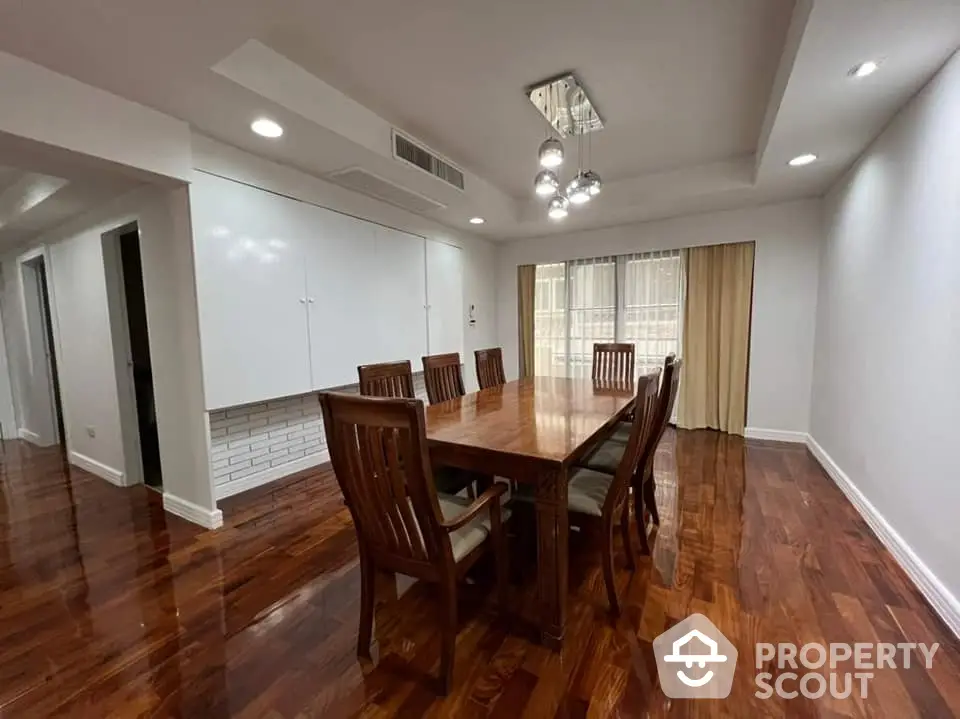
{"type": "Point", "coordinates": [565, 104]}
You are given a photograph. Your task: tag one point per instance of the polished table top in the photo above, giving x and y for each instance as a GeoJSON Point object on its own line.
{"type": "Point", "coordinates": [547, 418]}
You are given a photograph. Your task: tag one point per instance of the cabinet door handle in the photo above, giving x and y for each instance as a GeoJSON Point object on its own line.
{"type": "Point", "coordinates": [310, 300]}
{"type": "Point", "coordinates": [303, 300]}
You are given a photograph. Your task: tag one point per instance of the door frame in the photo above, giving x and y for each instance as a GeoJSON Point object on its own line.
{"type": "Point", "coordinates": [122, 352]}
{"type": "Point", "coordinates": [37, 260]}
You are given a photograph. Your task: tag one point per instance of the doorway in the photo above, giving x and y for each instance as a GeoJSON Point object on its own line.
{"type": "Point", "coordinates": [123, 265]}
{"type": "Point", "coordinates": [36, 296]}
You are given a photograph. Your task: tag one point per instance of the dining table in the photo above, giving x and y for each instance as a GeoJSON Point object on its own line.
{"type": "Point", "coordinates": [533, 431]}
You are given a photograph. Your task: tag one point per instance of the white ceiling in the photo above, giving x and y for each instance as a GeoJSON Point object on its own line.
{"type": "Point", "coordinates": [32, 203]}
{"type": "Point", "coordinates": [704, 100]}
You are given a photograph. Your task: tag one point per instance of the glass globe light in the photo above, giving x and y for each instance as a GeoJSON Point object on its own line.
{"type": "Point", "coordinates": [594, 183]}
{"type": "Point", "coordinates": [557, 207]}
{"type": "Point", "coordinates": [578, 191]}
{"type": "Point", "coordinates": [546, 183]}
{"type": "Point", "coordinates": [551, 152]}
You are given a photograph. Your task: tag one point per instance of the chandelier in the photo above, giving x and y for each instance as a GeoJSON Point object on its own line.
{"type": "Point", "coordinates": [564, 103]}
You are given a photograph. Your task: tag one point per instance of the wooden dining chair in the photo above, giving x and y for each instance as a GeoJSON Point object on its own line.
{"type": "Point", "coordinates": [614, 361]}
{"type": "Point", "coordinates": [490, 367]}
{"type": "Point", "coordinates": [605, 497]}
{"type": "Point", "coordinates": [378, 448]}
{"type": "Point", "coordinates": [608, 453]}
{"type": "Point", "coordinates": [387, 379]}
{"type": "Point", "coordinates": [443, 377]}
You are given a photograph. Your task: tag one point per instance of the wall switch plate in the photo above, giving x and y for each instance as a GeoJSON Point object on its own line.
{"type": "Point", "coordinates": [91, 431]}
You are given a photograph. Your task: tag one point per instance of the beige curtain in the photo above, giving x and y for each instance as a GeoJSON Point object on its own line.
{"type": "Point", "coordinates": [526, 297]}
{"type": "Point", "coordinates": [716, 337]}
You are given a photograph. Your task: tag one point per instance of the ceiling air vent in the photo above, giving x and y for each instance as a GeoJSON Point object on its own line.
{"type": "Point", "coordinates": [360, 180]}
{"type": "Point", "coordinates": [417, 155]}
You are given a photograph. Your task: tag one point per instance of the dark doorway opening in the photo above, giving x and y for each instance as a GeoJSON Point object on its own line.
{"type": "Point", "coordinates": [44, 292]}
{"type": "Point", "coordinates": [136, 311]}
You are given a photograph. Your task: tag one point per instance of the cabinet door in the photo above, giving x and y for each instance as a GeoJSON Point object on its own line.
{"type": "Point", "coordinates": [445, 298]}
{"type": "Point", "coordinates": [341, 279]}
{"type": "Point", "coordinates": [400, 313]}
{"type": "Point", "coordinates": [250, 293]}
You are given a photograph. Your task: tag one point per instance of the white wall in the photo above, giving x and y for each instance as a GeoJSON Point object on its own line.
{"type": "Point", "coordinates": [787, 238]}
{"type": "Point", "coordinates": [84, 346]}
{"type": "Point", "coordinates": [479, 256]}
{"type": "Point", "coordinates": [886, 390]}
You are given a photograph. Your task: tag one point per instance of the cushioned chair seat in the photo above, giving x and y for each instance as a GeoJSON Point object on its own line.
{"type": "Point", "coordinates": [621, 433]}
{"type": "Point", "coordinates": [471, 535]}
{"type": "Point", "coordinates": [586, 491]}
{"type": "Point", "coordinates": [606, 457]}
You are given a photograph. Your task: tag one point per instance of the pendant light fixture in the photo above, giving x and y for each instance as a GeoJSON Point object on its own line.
{"type": "Point", "coordinates": [551, 153]}
{"type": "Point", "coordinates": [546, 183]}
{"type": "Point", "coordinates": [594, 183]}
{"type": "Point", "coordinates": [578, 190]}
{"type": "Point", "coordinates": [557, 207]}
{"type": "Point", "coordinates": [568, 111]}
{"type": "Point", "coordinates": [551, 149]}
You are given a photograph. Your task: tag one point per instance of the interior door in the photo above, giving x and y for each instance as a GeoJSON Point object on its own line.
{"type": "Point", "coordinates": [445, 297]}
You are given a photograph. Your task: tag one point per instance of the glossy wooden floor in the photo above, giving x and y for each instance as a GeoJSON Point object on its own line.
{"type": "Point", "coordinates": [110, 608]}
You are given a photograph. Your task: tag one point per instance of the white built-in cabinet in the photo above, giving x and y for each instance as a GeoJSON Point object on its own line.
{"type": "Point", "coordinates": [293, 297]}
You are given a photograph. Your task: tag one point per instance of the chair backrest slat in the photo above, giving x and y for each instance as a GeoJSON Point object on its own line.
{"type": "Point", "coordinates": [443, 377]}
{"type": "Point", "coordinates": [613, 361]}
{"type": "Point", "coordinates": [490, 368]}
{"type": "Point", "coordinates": [378, 449]}
{"type": "Point", "coordinates": [387, 379]}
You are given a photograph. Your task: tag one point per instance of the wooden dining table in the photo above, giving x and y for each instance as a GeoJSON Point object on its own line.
{"type": "Point", "coordinates": [532, 430]}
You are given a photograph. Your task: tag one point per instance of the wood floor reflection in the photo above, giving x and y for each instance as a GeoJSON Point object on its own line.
{"type": "Point", "coordinates": [111, 608]}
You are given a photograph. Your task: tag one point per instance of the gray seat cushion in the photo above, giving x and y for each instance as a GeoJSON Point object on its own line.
{"type": "Point", "coordinates": [586, 492]}
{"type": "Point", "coordinates": [471, 535]}
{"type": "Point", "coordinates": [606, 457]}
{"type": "Point", "coordinates": [621, 433]}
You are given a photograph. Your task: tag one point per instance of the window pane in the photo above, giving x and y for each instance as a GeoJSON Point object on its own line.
{"type": "Point", "coordinates": [593, 311]}
{"type": "Point", "coordinates": [550, 321]}
{"type": "Point", "coordinates": [651, 307]}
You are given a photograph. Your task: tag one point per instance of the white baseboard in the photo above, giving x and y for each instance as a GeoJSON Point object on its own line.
{"type": "Point", "coordinates": [31, 437]}
{"type": "Point", "coordinates": [98, 468]}
{"type": "Point", "coordinates": [940, 598]}
{"type": "Point", "coordinates": [775, 435]}
{"type": "Point", "coordinates": [211, 519]}
{"type": "Point", "coordinates": [228, 489]}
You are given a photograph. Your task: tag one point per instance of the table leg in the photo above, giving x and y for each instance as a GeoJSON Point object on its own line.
{"type": "Point", "coordinates": [552, 555]}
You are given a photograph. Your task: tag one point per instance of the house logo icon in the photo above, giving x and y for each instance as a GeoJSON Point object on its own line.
{"type": "Point", "coordinates": [695, 660]}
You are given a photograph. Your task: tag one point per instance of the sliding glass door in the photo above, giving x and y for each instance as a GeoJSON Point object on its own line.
{"type": "Point", "coordinates": [628, 298]}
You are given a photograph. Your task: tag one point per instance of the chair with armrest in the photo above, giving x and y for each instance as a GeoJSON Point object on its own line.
{"type": "Point", "coordinates": [378, 449]}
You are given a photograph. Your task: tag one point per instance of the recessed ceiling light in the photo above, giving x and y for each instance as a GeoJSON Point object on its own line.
{"type": "Point", "coordinates": [266, 128]}
{"type": "Point", "coordinates": [801, 160]}
{"type": "Point", "coordinates": [864, 68]}
{"type": "Point", "coordinates": [477, 220]}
